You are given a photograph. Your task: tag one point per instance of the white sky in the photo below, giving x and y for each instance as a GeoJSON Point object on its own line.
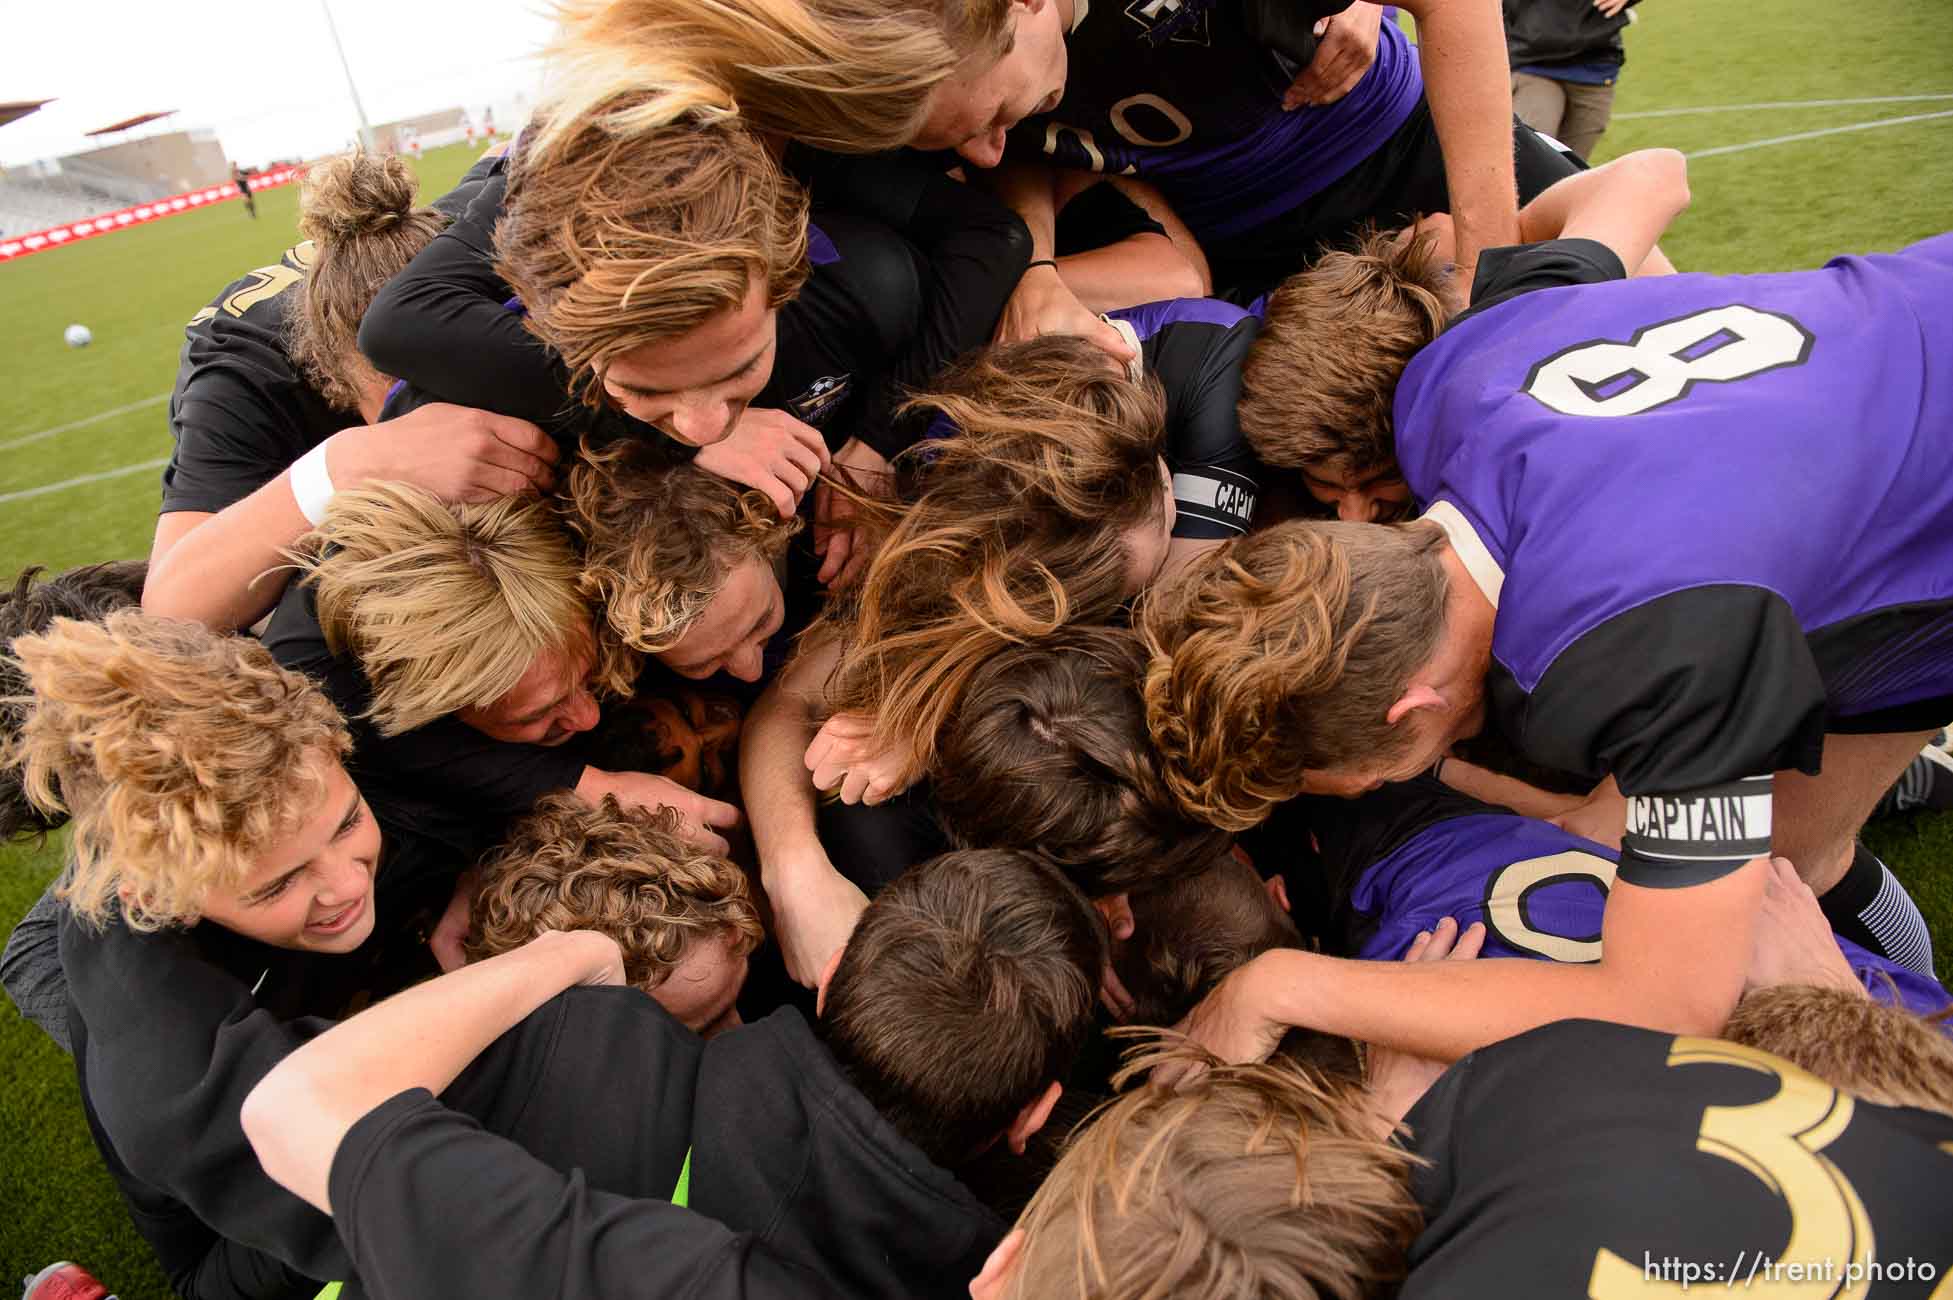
{"type": "Point", "coordinates": [262, 73]}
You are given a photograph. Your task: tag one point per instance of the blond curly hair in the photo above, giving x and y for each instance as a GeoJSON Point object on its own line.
{"type": "Point", "coordinates": [182, 755]}
{"type": "Point", "coordinates": [447, 606]}
{"type": "Point", "coordinates": [625, 872]}
{"type": "Point", "coordinates": [660, 541]}
{"type": "Point", "coordinates": [1283, 651]}
{"type": "Point", "coordinates": [1246, 1180]}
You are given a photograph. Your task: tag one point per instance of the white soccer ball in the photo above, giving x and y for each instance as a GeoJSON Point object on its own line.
{"type": "Point", "coordinates": [78, 336]}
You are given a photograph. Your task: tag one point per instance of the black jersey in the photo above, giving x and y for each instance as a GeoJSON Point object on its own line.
{"type": "Point", "coordinates": [761, 1124]}
{"type": "Point", "coordinates": [172, 1029]}
{"type": "Point", "coordinates": [241, 411]}
{"type": "Point", "coordinates": [1588, 1159]}
{"type": "Point", "coordinates": [1187, 94]}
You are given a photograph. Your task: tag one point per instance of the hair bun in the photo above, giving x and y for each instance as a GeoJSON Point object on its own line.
{"type": "Point", "coordinates": [354, 194]}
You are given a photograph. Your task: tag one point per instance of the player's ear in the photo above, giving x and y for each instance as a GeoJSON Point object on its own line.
{"type": "Point", "coordinates": [1025, 1124]}
{"type": "Point", "coordinates": [1277, 892]}
{"type": "Point", "coordinates": [826, 978]}
{"type": "Point", "coordinates": [1117, 911]}
{"type": "Point", "coordinates": [1413, 698]}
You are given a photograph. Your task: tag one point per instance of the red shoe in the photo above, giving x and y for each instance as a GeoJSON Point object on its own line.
{"type": "Point", "coordinates": [64, 1281]}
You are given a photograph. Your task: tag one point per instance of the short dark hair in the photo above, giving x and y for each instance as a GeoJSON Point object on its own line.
{"type": "Point", "coordinates": [975, 956]}
{"type": "Point", "coordinates": [1049, 754]}
{"type": "Point", "coordinates": [89, 593]}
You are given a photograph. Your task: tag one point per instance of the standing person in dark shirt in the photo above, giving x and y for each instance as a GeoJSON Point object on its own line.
{"type": "Point", "coordinates": [1566, 56]}
{"type": "Point", "coordinates": [1649, 1163]}
{"type": "Point", "coordinates": [834, 1144]}
{"type": "Point", "coordinates": [228, 886]}
{"type": "Point", "coordinates": [273, 402]}
{"type": "Point", "coordinates": [455, 639]}
{"type": "Point", "coordinates": [243, 183]}
{"type": "Point", "coordinates": [1584, 568]}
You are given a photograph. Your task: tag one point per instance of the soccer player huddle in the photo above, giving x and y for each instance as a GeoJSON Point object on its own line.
{"type": "Point", "coordinates": [857, 669]}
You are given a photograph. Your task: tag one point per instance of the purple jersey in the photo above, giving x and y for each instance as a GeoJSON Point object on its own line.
{"type": "Point", "coordinates": [1540, 892]}
{"type": "Point", "coordinates": [1713, 514]}
{"type": "Point", "coordinates": [1188, 95]}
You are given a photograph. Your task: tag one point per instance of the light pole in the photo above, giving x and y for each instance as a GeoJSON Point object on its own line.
{"type": "Point", "coordinates": [365, 128]}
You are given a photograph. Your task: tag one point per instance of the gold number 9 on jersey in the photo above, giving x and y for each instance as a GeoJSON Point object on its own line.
{"type": "Point", "coordinates": [1780, 1142]}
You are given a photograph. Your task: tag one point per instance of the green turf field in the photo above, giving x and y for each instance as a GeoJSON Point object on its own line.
{"type": "Point", "coordinates": [96, 415]}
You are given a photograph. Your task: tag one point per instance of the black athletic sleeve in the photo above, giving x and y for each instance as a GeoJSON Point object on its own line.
{"type": "Point", "coordinates": [971, 251]}
{"type": "Point", "coordinates": [1505, 273]}
{"type": "Point", "coordinates": [444, 326]}
{"type": "Point", "coordinates": [430, 1205]}
{"type": "Point", "coordinates": [232, 439]}
{"type": "Point", "coordinates": [454, 204]}
{"type": "Point", "coordinates": [1216, 475]}
{"type": "Point", "coordinates": [173, 1044]}
{"type": "Point", "coordinates": [1288, 26]}
{"type": "Point", "coordinates": [1691, 701]}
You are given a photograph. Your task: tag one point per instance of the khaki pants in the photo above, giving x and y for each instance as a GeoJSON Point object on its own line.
{"type": "Point", "coordinates": [1571, 112]}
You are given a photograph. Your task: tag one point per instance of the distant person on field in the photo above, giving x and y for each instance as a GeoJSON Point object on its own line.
{"type": "Point", "coordinates": [1566, 56]}
{"type": "Point", "coordinates": [243, 183]}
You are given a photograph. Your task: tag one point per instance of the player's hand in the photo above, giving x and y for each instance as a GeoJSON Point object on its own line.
{"type": "Point", "coordinates": [1608, 8]}
{"type": "Point", "coordinates": [1601, 817]}
{"type": "Point", "coordinates": [1794, 942]}
{"type": "Point", "coordinates": [456, 452]}
{"type": "Point", "coordinates": [844, 549]}
{"type": "Point", "coordinates": [814, 911]}
{"type": "Point", "coordinates": [1229, 1023]}
{"type": "Point", "coordinates": [769, 450]}
{"type": "Point", "coordinates": [451, 931]}
{"type": "Point", "coordinates": [846, 756]}
{"type": "Point", "coordinates": [1397, 1079]}
{"type": "Point", "coordinates": [698, 814]}
{"type": "Point", "coordinates": [1346, 46]}
{"type": "Point", "coordinates": [1043, 304]}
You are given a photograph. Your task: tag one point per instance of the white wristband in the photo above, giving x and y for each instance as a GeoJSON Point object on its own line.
{"type": "Point", "coordinates": [312, 484]}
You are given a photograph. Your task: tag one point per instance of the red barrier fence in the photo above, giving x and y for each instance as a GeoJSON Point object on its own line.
{"type": "Point", "coordinates": [13, 247]}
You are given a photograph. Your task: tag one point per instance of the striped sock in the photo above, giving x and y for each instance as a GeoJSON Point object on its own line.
{"type": "Point", "coordinates": [1871, 908]}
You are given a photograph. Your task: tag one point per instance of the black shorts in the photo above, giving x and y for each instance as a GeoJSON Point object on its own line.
{"type": "Point", "coordinates": [1399, 182]}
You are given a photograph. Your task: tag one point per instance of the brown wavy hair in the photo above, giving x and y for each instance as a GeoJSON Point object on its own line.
{"type": "Point", "coordinates": [625, 872]}
{"type": "Point", "coordinates": [853, 76]}
{"type": "Point", "coordinates": [1320, 380]}
{"type": "Point", "coordinates": [1263, 1180]}
{"type": "Point", "coordinates": [358, 212]}
{"type": "Point", "coordinates": [975, 956]}
{"type": "Point", "coordinates": [446, 606]}
{"type": "Point", "coordinates": [1015, 530]}
{"type": "Point", "coordinates": [1283, 651]}
{"type": "Point", "coordinates": [182, 755]}
{"type": "Point", "coordinates": [660, 540]}
{"type": "Point", "coordinates": [1882, 1053]}
{"type": "Point", "coordinates": [1048, 754]}
{"type": "Point", "coordinates": [614, 242]}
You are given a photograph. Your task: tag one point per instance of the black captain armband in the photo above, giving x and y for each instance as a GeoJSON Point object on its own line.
{"type": "Point", "coordinates": [1691, 837]}
{"type": "Point", "coordinates": [1213, 502]}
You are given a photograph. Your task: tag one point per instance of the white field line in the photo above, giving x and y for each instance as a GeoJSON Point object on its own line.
{"type": "Point", "coordinates": [1814, 135]}
{"type": "Point", "coordinates": [97, 418]}
{"type": "Point", "coordinates": [80, 479]}
{"type": "Point", "coordinates": [1777, 104]}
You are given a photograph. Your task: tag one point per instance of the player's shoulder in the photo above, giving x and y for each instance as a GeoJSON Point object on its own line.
{"type": "Point", "coordinates": [261, 296]}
